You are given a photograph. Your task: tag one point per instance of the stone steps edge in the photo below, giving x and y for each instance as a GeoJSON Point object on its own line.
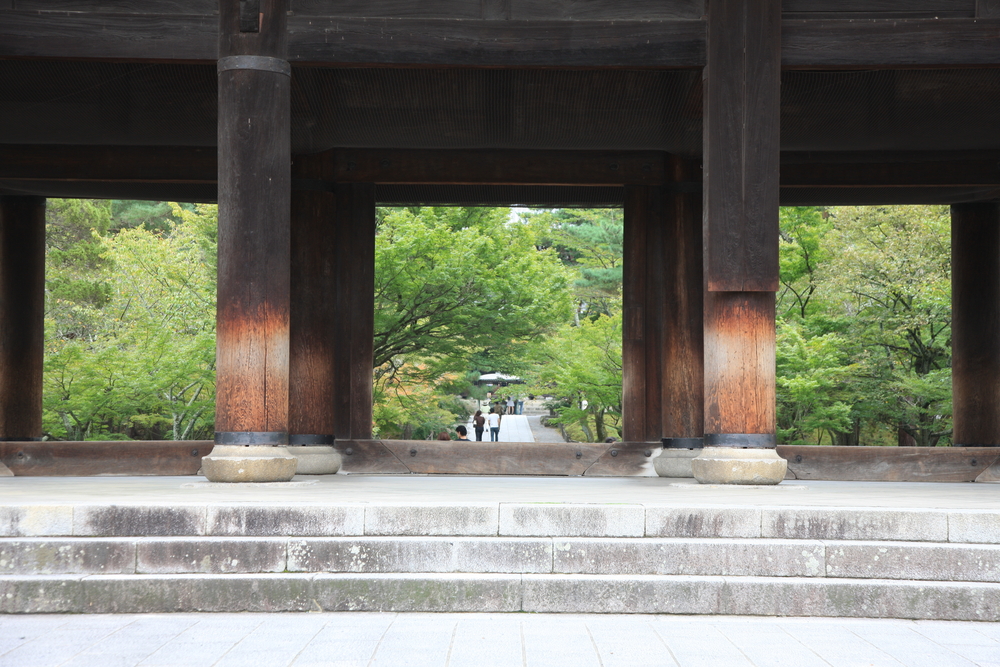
{"type": "Point", "coordinates": [502, 519]}
{"type": "Point", "coordinates": [627, 556]}
{"type": "Point", "coordinates": [738, 596]}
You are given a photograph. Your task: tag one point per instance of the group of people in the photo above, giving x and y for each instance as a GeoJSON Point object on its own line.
{"type": "Point", "coordinates": [479, 422]}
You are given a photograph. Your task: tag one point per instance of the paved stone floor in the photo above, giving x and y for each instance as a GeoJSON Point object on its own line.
{"type": "Point", "coordinates": [483, 640]}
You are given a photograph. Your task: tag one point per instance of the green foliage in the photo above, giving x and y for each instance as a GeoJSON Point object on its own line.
{"type": "Point", "coordinates": [145, 367]}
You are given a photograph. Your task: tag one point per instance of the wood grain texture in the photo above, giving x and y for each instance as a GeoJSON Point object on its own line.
{"type": "Point", "coordinates": [495, 10]}
{"type": "Point", "coordinates": [497, 43]}
{"type": "Point", "coordinates": [369, 457]}
{"type": "Point", "coordinates": [653, 317]}
{"type": "Point", "coordinates": [862, 9]}
{"type": "Point", "coordinates": [812, 44]}
{"type": "Point", "coordinates": [22, 314]}
{"type": "Point", "coordinates": [625, 459]}
{"type": "Point", "coordinates": [189, 7]}
{"type": "Point", "coordinates": [741, 145]}
{"type": "Point", "coordinates": [637, 213]}
{"type": "Point", "coordinates": [92, 458]}
{"type": "Point", "coordinates": [254, 236]}
{"type": "Point", "coordinates": [362, 308]}
{"type": "Point", "coordinates": [588, 10]}
{"type": "Point", "coordinates": [343, 243]}
{"type": "Point", "coordinates": [888, 464]}
{"type": "Point", "coordinates": [988, 8]}
{"type": "Point", "coordinates": [739, 362]}
{"type": "Point", "coordinates": [683, 403]}
{"type": "Point", "coordinates": [127, 164]}
{"type": "Point", "coordinates": [313, 311]}
{"type": "Point", "coordinates": [975, 325]}
{"type": "Point", "coordinates": [495, 458]}
{"type": "Point", "coordinates": [498, 167]}
{"type": "Point", "coordinates": [841, 171]}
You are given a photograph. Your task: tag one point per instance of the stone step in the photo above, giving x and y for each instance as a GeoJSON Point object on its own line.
{"type": "Point", "coordinates": [485, 555]}
{"type": "Point", "coordinates": [501, 519]}
{"type": "Point", "coordinates": [659, 594]}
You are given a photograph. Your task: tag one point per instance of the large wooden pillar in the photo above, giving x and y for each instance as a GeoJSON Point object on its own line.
{"type": "Point", "coordinates": [354, 329]}
{"type": "Point", "coordinates": [254, 209]}
{"type": "Point", "coordinates": [740, 159]}
{"type": "Point", "coordinates": [682, 409]}
{"type": "Point", "coordinates": [313, 312]}
{"type": "Point", "coordinates": [22, 307]}
{"type": "Point", "coordinates": [975, 329]}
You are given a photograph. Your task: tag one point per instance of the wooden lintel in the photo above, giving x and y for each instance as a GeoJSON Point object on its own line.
{"type": "Point", "coordinates": [127, 164]}
{"type": "Point", "coordinates": [831, 170]}
{"type": "Point", "coordinates": [806, 43]}
{"type": "Point", "coordinates": [498, 167]}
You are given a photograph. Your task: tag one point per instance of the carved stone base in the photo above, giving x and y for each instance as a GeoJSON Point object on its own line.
{"type": "Point", "coordinates": [256, 463]}
{"type": "Point", "coordinates": [731, 465]}
{"type": "Point", "coordinates": [316, 459]}
{"type": "Point", "coordinates": [675, 462]}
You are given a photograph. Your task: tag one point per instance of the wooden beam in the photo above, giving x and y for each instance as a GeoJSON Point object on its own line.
{"type": "Point", "coordinates": [254, 245]}
{"type": "Point", "coordinates": [498, 167]}
{"type": "Point", "coordinates": [639, 213]}
{"type": "Point", "coordinates": [110, 164]}
{"type": "Point", "coordinates": [848, 170]}
{"type": "Point", "coordinates": [108, 458]}
{"type": "Point", "coordinates": [975, 296]}
{"type": "Point", "coordinates": [22, 309]}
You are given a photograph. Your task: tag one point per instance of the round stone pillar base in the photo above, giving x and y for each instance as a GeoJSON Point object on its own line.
{"type": "Point", "coordinates": [675, 462]}
{"type": "Point", "coordinates": [733, 465]}
{"type": "Point", "coordinates": [316, 459]}
{"type": "Point", "coordinates": [254, 463]}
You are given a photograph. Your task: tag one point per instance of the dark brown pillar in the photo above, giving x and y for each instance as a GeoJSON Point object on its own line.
{"type": "Point", "coordinates": [640, 207]}
{"type": "Point", "coordinates": [313, 316]}
{"type": "Point", "coordinates": [741, 133]}
{"type": "Point", "coordinates": [683, 341]}
{"type": "Point", "coordinates": [254, 210]}
{"type": "Point", "coordinates": [22, 308]}
{"type": "Point", "coordinates": [355, 325]}
{"type": "Point", "coordinates": [975, 328]}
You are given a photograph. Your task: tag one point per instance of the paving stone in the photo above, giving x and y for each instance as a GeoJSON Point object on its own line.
{"type": "Point", "coordinates": [487, 640]}
{"type": "Point", "coordinates": [420, 554]}
{"type": "Point", "coordinates": [42, 594]}
{"type": "Point", "coordinates": [135, 593]}
{"type": "Point", "coordinates": [771, 558]}
{"type": "Point", "coordinates": [611, 594]}
{"type": "Point", "coordinates": [432, 519]}
{"type": "Point", "coordinates": [764, 644]}
{"type": "Point", "coordinates": [572, 520]}
{"type": "Point", "coordinates": [758, 596]}
{"type": "Point", "coordinates": [35, 520]}
{"type": "Point", "coordinates": [702, 521]}
{"type": "Point", "coordinates": [705, 645]}
{"type": "Point", "coordinates": [297, 520]}
{"type": "Point", "coordinates": [895, 560]}
{"type": "Point", "coordinates": [838, 523]}
{"type": "Point", "coordinates": [66, 556]}
{"type": "Point", "coordinates": [418, 592]}
{"type": "Point", "coordinates": [971, 526]}
{"type": "Point", "coordinates": [139, 520]}
{"type": "Point", "coordinates": [210, 555]}
{"type": "Point", "coordinates": [908, 646]}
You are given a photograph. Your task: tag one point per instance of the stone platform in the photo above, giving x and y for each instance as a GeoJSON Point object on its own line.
{"type": "Point", "coordinates": [430, 543]}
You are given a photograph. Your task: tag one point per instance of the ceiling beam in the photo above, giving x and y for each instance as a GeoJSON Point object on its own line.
{"type": "Point", "coordinates": [322, 41]}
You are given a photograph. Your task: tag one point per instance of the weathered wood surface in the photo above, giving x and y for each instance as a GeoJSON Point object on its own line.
{"type": "Point", "coordinates": [739, 362]}
{"type": "Point", "coordinates": [888, 464]}
{"type": "Point", "coordinates": [495, 458]}
{"type": "Point", "coordinates": [975, 323]}
{"type": "Point", "coordinates": [806, 43]}
{"type": "Point", "coordinates": [683, 354]}
{"type": "Point", "coordinates": [369, 456]}
{"type": "Point", "coordinates": [96, 458]}
{"type": "Point", "coordinates": [846, 170]}
{"type": "Point", "coordinates": [878, 8]}
{"type": "Point", "coordinates": [625, 459]}
{"type": "Point", "coordinates": [499, 167]}
{"type": "Point", "coordinates": [653, 317]}
{"type": "Point", "coordinates": [313, 313]}
{"type": "Point", "coordinates": [637, 213]}
{"type": "Point", "coordinates": [22, 313]}
{"type": "Point", "coordinates": [742, 93]}
{"type": "Point", "coordinates": [813, 44]}
{"type": "Point", "coordinates": [129, 164]}
{"type": "Point", "coordinates": [254, 237]}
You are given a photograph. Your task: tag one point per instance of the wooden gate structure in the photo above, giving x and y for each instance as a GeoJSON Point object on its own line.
{"type": "Point", "coordinates": [699, 117]}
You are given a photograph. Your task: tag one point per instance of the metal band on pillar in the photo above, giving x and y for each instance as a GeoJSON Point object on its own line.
{"type": "Point", "coordinates": [257, 63]}
{"type": "Point", "coordinates": [682, 443]}
{"type": "Point", "coordinates": [248, 438]}
{"type": "Point", "coordinates": [741, 440]}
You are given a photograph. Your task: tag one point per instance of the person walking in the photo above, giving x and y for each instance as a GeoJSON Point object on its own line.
{"type": "Point", "coordinates": [479, 424]}
{"type": "Point", "coordinates": [510, 405]}
{"type": "Point", "coordinates": [494, 421]}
